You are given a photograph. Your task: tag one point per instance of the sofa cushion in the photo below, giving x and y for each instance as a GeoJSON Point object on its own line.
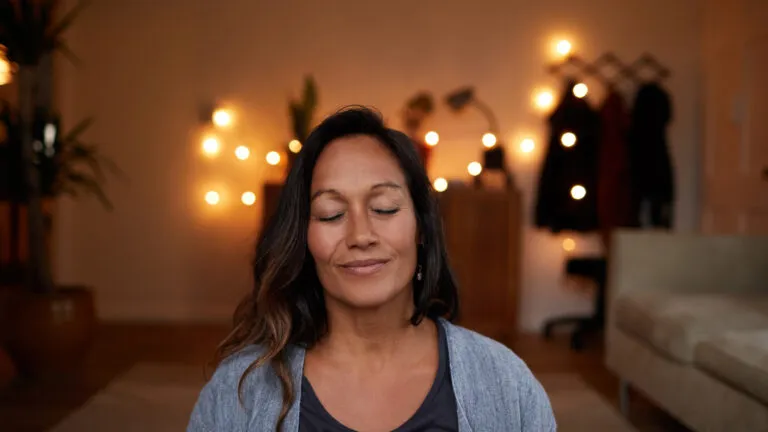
{"type": "Point", "coordinates": [739, 358]}
{"type": "Point", "coordinates": [674, 323]}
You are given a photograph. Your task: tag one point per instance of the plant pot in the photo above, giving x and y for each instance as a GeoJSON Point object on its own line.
{"type": "Point", "coordinates": [52, 332]}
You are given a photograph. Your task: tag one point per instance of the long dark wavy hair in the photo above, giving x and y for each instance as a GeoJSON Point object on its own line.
{"type": "Point", "coordinates": [287, 305]}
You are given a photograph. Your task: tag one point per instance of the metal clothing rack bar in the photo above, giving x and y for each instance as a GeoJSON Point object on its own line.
{"type": "Point", "coordinates": [610, 70]}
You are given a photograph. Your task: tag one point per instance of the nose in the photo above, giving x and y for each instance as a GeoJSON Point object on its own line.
{"type": "Point", "coordinates": [360, 232]}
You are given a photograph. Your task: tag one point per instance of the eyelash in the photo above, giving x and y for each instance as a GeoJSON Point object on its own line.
{"type": "Point", "coordinates": [384, 212]}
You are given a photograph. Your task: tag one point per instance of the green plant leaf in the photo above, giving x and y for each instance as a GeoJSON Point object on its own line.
{"type": "Point", "coordinates": [310, 94]}
{"type": "Point", "coordinates": [62, 47]}
{"type": "Point", "coordinates": [79, 128]}
{"type": "Point", "coordinates": [89, 185]}
{"type": "Point", "coordinates": [56, 30]}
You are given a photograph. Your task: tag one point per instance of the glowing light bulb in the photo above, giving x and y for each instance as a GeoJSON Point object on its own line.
{"type": "Point", "coordinates": [569, 244]}
{"type": "Point", "coordinates": [248, 198]}
{"type": "Point", "coordinates": [294, 146]}
{"type": "Point", "coordinates": [580, 90]}
{"type": "Point", "coordinates": [489, 140]}
{"type": "Point", "coordinates": [273, 158]}
{"type": "Point", "coordinates": [563, 47]}
{"type": "Point", "coordinates": [568, 139]}
{"type": "Point", "coordinates": [5, 70]}
{"type": "Point", "coordinates": [211, 146]}
{"type": "Point", "coordinates": [222, 118]}
{"type": "Point", "coordinates": [578, 192]}
{"type": "Point", "coordinates": [432, 138]}
{"type": "Point", "coordinates": [527, 145]}
{"type": "Point", "coordinates": [474, 168]}
{"type": "Point", "coordinates": [544, 99]}
{"type": "Point", "coordinates": [440, 184]}
{"type": "Point", "coordinates": [242, 152]}
{"type": "Point", "coordinates": [212, 197]}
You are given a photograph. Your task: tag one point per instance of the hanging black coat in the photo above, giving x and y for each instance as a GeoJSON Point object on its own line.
{"type": "Point", "coordinates": [651, 166]}
{"type": "Point", "coordinates": [566, 167]}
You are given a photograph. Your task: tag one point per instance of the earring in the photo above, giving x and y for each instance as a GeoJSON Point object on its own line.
{"type": "Point", "coordinates": [418, 273]}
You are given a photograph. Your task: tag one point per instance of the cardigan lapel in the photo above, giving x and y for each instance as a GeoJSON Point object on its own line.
{"type": "Point", "coordinates": [462, 388]}
{"type": "Point", "coordinates": [296, 359]}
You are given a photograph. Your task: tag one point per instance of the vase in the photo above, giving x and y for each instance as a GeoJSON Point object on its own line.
{"type": "Point", "coordinates": [52, 332]}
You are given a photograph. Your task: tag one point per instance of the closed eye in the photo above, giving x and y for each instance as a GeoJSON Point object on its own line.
{"type": "Point", "coordinates": [387, 211]}
{"type": "Point", "coordinates": [330, 218]}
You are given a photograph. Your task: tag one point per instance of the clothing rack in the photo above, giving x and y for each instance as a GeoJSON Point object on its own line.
{"type": "Point", "coordinates": [610, 70]}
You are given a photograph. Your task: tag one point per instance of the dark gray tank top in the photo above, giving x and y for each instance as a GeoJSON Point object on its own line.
{"type": "Point", "coordinates": [437, 412]}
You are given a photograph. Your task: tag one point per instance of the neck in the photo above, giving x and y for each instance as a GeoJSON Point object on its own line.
{"type": "Point", "coordinates": [374, 334]}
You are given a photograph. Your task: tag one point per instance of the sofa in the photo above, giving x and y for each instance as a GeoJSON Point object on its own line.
{"type": "Point", "coordinates": [687, 326]}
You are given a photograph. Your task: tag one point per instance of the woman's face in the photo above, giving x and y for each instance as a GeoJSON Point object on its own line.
{"type": "Point", "coordinates": [362, 230]}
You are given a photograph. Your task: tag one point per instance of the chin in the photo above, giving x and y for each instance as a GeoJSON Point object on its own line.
{"type": "Point", "coordinates": [368, 295]}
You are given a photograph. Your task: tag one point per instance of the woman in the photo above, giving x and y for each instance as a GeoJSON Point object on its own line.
{"type": "Point", "coordinates": [348, 325]}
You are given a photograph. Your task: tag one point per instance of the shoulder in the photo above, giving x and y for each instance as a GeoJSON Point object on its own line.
{"type": "Point", "coordinates": [483, 352]}
{"type": "Point", "coordinates": [505, 378]}
{"type": "Point", "coordinates": [220, 405]}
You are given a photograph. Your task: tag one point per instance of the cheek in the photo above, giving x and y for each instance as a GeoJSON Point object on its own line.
{"type": "Point", "coordinates": [321, 243]}
{"type": "Point", "coordinates": [402, 237]}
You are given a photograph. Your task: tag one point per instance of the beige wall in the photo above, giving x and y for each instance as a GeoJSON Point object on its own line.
{"type": "Point", "coordinates": [148, 65]}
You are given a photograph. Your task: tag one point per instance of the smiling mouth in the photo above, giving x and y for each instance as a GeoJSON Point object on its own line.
{"type": "Point", "coordinates": [364, 267]}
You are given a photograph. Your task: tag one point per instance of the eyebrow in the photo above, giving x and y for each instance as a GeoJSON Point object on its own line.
{"type": "Point", "coordinates": [383, 185]}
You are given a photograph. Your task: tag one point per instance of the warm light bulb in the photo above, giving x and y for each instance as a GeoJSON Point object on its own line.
{"type": "Point", "coordinates": [273, 158]}
{"type": "Point", "coordinates": [544, 99]}
{"type": "Point", "coordinates": [489, 140]}
{"type": "Point", "coordinates": [578, 192]}
{"type": "Point", "coordinates": [563, 47]}
{"type": "Point", "coordinates": [294, 146]}
{"type": "Point", "coordinates": [568, 139]}
{"type": "Point", "coordinates": [211, 146]}
{"type": "Point", "coordinates": [222, 118]}
{"type": "Point", "coordinates": [242, 152]}
{"type": "Point", "coordinates": [212, 197]}
{"type": "Point", "coordinates": [248, 198]}
{"type": "Point", "coordinates": [474, 168]}
{"type": "Point", "coordinates": [5, 70]}
{"type": "Point", "coordinates": [580, 90]}
{"type": "Point", "coordinates": [440, 184]}
{"type": "Point", "coordinates": [432, 138]}
{"type": "Point", "coordinates": [527, 145]}
{"type": "Point", "coordinates": [569, 244]}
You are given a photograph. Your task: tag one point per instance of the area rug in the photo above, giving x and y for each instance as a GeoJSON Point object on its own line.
{"type": "Point", "coordinates": [159, 397]}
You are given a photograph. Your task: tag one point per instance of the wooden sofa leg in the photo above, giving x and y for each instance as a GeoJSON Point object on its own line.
{"type": "Point", "coordinates": [624, 398]}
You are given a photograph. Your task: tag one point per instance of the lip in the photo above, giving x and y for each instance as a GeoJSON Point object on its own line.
{"type": "Point", "coordinates": [364, 267]}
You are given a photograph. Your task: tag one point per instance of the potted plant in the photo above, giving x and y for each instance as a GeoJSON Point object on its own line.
{"type": "Point", "coordinates": [302, 113]}
{"type": "Point", "coordinates": [417, 109]}
{"type": "Point", "coordinates": [53, 324]}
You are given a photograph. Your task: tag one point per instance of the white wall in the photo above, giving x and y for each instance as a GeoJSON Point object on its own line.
{"type": "Point", "coordinates": [149, 65]}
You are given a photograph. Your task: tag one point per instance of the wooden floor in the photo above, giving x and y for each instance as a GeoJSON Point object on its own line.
{"type": "Point", "coordinates": [36, 406]}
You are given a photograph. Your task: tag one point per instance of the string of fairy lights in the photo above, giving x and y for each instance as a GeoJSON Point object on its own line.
{"type": "Point", "coordinates": [543, 99]}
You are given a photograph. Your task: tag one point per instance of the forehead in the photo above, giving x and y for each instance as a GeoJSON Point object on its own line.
{"type": "Point", "coordinates": [356, 162]}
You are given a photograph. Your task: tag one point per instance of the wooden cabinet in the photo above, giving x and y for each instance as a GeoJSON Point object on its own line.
{"type": "Point", "coordinates": [269, 197]}
{"type": "Point", "coordinates": [483, 237]}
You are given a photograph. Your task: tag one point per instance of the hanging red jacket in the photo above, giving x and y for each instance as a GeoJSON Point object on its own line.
{"type": "Point", "coordinates": [614, 184]}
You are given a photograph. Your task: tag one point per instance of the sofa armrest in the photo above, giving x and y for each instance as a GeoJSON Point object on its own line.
{"type": "Point", "coordinates": [661, 260]}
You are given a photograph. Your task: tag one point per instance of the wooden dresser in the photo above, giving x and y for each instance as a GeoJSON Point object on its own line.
{"type": "Point", "coordinates": [483, 236]}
